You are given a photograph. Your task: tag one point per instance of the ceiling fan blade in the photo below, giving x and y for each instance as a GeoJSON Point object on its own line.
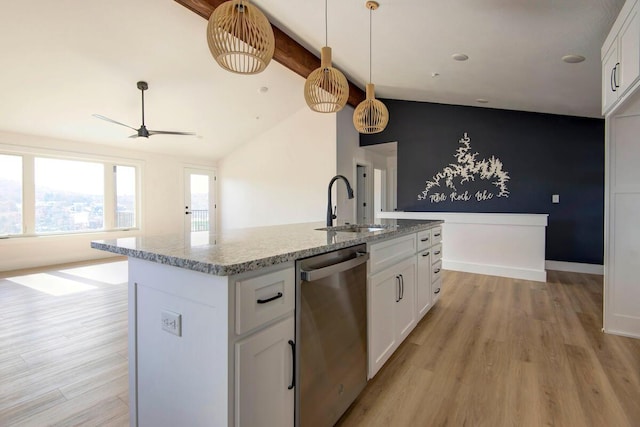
{"type": "Point", "coordinates": [135, 135]}
{"type": "Point", "coordinates": [165, 132]}
{"type": "Point", "coordinates": [107, 119]}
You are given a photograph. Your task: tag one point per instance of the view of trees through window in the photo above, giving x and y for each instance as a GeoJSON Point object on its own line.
{"type": "Point", "coordinates": [64, 196]}
{"type": "Point", "coordinates": [69, 195]}
{"type": "Point", "coordinates": [10, 194]}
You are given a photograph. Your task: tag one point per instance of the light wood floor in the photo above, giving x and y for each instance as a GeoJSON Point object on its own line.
{"type": "Point", "coordinates": [503, 352]}
{"type": "Point", "coordinates": [63, 359]}
{"type": "Point", "coordinates": [492, 352]}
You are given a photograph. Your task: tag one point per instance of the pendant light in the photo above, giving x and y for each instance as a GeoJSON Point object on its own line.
{"type": "Point", "coordinates": [326, 89]}
{"type": "Point", "coordinates": [371, 115]}
{"type": "Point", "coordinates": [240, 37]}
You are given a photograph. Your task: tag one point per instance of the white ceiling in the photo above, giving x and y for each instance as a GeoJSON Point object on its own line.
{"type": "Point", "coordinates": [65, 60]}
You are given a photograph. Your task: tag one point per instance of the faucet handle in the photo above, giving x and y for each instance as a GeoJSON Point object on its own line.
{"type": "Point", "coordinates": [335, 211]}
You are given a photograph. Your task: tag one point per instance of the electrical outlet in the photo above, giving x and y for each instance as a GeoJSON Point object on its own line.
{"type": "Point", "coordinates": [171, 322]}
{"type": "Point", "coordinates": [555, 198]}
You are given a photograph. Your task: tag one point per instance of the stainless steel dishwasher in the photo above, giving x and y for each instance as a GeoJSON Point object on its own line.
{"type": "Point", "coordinates": [331, 334]}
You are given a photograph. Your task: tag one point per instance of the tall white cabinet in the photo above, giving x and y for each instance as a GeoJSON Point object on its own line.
{"type": "Point", "coordinates": [622, 198]}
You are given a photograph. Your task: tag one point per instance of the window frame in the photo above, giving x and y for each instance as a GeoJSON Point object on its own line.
{"type": "Point", "coordinates": [29, 155]}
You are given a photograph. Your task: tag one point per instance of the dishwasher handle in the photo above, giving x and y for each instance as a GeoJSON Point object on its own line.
{"type": "Point", "coordinates": [311, 275]}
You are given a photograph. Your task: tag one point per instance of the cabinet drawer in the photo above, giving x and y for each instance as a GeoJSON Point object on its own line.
{"type": "Point", "coordinates": [436, 235]}
{"type": "Point", "coordinates": [436, 271]}
{"type": "Point", "coordinates": [390, 252]}
{"type": "Point", "coordinates": [424, 239]}
{"type": "Point", "coordinates": [436, 288]}
{"type": "Point", "coordinates": [264, 298]}
{"type": "Point", "coordinates": [436, 253]}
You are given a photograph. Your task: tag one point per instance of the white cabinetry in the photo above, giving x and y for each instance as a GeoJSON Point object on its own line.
{"type": "Point", "coordinates": [264, 377]}
{"type": "Point", "coordinates": [392, 311]}
{"type": "Point", "coordinates": [232, 360]}
{"type": "Point", "coordinates": [429, 267]}
{"type": "Point", "coordinates": [622, 184]}
{"type": "Point", "coordinates": [621, 57]}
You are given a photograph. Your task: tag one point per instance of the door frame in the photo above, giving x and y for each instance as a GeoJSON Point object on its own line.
{"type": "Point", "coordinates": [187, 170]}
{"type": "Point", "coordinates": [368, 169]}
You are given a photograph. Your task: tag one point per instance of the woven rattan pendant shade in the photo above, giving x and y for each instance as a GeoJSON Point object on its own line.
{"type": "Point", "coordinates": [240, 37]}
{"type": "Point", "coordinates": [326, 89]}
{"type": "Point", "coordinates": [371, 115]}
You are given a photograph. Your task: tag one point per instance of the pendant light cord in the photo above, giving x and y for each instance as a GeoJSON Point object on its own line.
{"type": "Point", "coordinates": [370, 43]}
{"type": "Point", "coordinates": [326, 25]}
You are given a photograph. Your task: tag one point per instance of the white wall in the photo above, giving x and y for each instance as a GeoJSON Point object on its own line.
{"type": "Point", "coordinates": [349, 155]}
{"type": "Point", "coordinates": [161, 204]}
{"type": "Point", "coordinates": [281, 176]}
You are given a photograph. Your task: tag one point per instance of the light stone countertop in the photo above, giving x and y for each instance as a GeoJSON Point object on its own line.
{"type": "Point", "coordinates": [237, 251]}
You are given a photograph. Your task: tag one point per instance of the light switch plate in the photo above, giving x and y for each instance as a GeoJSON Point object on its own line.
{"type": "Point", "coordinates": [171, 322]}
{"type": "Point", "coordinates": [555, 198]}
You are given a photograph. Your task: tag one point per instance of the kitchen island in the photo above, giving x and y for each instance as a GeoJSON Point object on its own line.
{"type": "Point", "coordinates": [211, 321]}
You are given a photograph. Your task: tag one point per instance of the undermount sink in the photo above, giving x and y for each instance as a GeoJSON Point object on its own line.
{"type": "Point", "coordinates": [354, 228]}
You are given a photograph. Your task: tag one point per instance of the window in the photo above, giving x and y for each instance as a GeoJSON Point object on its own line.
{"type": "Point", "coordinates": [10, 194]}
{"type": "Point", "coordinates": [47, 195]}
{"type": "Point", "coordinates": [69, 195]}
{"type": "Point", "coordinates": [125, 196]}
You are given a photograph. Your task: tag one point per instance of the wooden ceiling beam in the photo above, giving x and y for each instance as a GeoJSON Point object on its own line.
{"type": "Point", "coordinates": [288, 52]}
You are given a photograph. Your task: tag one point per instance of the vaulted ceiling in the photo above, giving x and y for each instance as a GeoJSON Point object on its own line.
{"type": "Point", "coordinates": [66, 60]}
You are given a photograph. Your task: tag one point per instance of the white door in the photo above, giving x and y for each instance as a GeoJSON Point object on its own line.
{"type": "Point", "coordinates": [361, 195]}
{"type": "Point", "coordinates": [264, 377]}
{"type": "Point", "coordinates": [199, 203]}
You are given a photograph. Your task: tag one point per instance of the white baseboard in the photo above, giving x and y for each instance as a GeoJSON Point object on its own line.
{"type": "Point", "coordinates": [576, 267]}
{"type": "Point", "coordinates": [496, 270]}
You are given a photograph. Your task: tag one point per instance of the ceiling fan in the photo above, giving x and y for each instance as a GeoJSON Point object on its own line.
{"type": "Point", "coordinates": [142, 131]}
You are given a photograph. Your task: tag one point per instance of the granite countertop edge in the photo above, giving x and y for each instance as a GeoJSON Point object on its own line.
{"type": "Point", "coordinates": [230, 269]}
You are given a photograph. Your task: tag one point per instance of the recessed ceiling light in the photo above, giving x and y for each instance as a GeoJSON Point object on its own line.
{"type": "Point", "coordinates": [460, 56]}
{"type": "Point", "coordinates": [263, 89]}
{"type": "Point", "coordinates": [482, 100]}
{"type": "Point", "coordinates": [573, 59]}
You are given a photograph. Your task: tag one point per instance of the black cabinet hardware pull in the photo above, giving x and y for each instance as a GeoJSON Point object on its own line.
{"type": "Point", "coordinates": [615, 76]}
{"type": "Point", "coordinates": [437, 235]}
{"type": "Point", "coordinates": [397, 288]}
{"type": "Point", "coordinates": [425, 254]}
{"type": "Point", "coordinates": [437, 291]}
{"type": "Point", "coordinates": [436, 253]}
{"type": "Point", "coordinates": [424, 240]}
{"type": "Point", "coordinates": [264, 301]}
{"type": "Point", "coordinates": [611, 82]}
{"type": "Point", "coordinates": [401, 287]}
{"type": "Point", "coordinates": [436, 271]}
{"type": "Point", "coordinates": [293, 375]}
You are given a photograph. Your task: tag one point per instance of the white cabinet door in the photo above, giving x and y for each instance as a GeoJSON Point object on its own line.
{"type": "Point", "coordinates": [384, 292]}
{"type": "Point", "coordinates": [392, 311]}
{"type": "Point", "coordinates": [264, 373]}
{"type": "Point", "coordinates": [610, 77]}
{"type": "Point", "coordinates": [405, 309]}
{"type": "Point", "coordinates": [423, 283]}
{"type": "Point", "coordinates": [629, 54]}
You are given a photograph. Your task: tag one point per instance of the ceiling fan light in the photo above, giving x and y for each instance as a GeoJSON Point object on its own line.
{"type": "Point", "coordinates": [240, 37]}
{"type": "Point", "coordinates": [371, 115]}
{"type": "Point", "coordinates": [326, 89]}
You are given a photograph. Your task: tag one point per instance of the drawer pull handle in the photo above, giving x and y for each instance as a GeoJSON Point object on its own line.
{"type": "Point", "coordinates": [264, 301]}
{"type": "Point", "coordinates": [437, 291]}
{"type": "Point", "coordinates": [436, 235]}
{"type": "Point", "coordinates": [436, 253]}
{"type": "Point", "coordinates": [425, 254]}
{"type": "Point", "coordinates": [293, 374]}
{"type": "Point", "coordinates": [426, 239]}
{"type": "Point", "coordinates": [401, 287]}
{"type": "Point", "coordinates": [397, 288]}
{"type": "Point", "coordinates": [436, 271]}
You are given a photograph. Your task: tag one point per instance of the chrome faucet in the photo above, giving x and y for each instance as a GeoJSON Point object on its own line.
{"type": "Point", "coordinates": [330, 215]}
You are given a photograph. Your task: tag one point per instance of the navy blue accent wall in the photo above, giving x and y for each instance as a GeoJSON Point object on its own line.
{"type": "Point", "coordinates": [542, 155]}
